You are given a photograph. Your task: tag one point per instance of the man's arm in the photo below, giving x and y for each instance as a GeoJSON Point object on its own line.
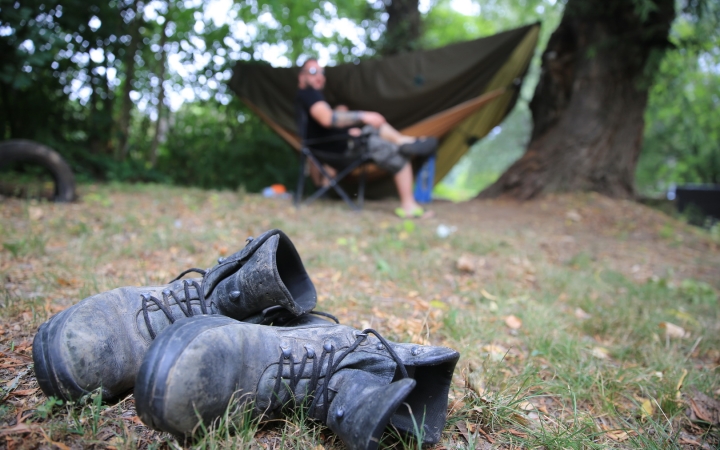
{"type": "Point", "coordinates": [325, 116]}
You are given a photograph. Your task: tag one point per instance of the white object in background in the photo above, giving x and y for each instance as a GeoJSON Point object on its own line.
{"type": "Point", "coordinates": [671, 194]}
{"type": "Point", "coordinates": [444, 231]}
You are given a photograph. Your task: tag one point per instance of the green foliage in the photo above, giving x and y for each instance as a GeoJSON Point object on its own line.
{"type": "Point", "coordinates": [216, 146]}
{"type": "Point", "coordinates": [444, 25]}
{"type": "Point", "coordinates": [683, 113]}
{"type": "Point", "coordinates": [66, 67]}
{"type": "Point", "coordinates": [303, 27]}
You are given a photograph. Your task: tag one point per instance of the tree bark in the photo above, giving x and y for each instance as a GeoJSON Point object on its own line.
{"type": "Point", "coordinates": [129, 59]}
{"type": "Point", "coordinates": [403, 27]}
{"type": "Point", "coordinates": [161, 95]}
{"type": "Point", "coordinates": [589, 104]}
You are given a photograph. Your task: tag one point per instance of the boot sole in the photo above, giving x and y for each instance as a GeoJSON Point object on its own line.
{"type": "Point", "coordinates": [160, 360]}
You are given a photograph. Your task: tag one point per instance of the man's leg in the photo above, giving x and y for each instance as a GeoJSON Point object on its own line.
{"type": "Point", "coordinates": [404, 184]}
{"type": "Point", "coordinates": [387, 132]}
{"type": "Point", "coordinates": [385, 153]}
{"type": "Point", "coordinates": [317, 176]}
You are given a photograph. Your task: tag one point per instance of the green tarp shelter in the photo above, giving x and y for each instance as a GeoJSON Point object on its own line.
{"type": "Point", "coordinates": [458, 92]}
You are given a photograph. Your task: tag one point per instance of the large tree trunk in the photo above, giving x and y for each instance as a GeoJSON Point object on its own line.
{"type": "Point", "coordinates": [403, 27]}
{"type": "Point", "coordinates": [589, 103]}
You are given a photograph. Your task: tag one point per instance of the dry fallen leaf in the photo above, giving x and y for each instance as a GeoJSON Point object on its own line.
{"type": "Point", "coordinates": [600, 352]}
{"type": "Point", "coordinates": [476, 382]}
{"type": "Point", "coordinates": [618, 435]}
{"type": "Point", "coordinates": [646, 407]}
{"type": "Point", "coordinates": [680, 383]}
{"type": "Point", "coordinates": [703, 408]}
{"type": "Point", "coordinates": [581, 314]}
{"type": "Point", "coordinates": [17, 429]}
{"type": "Point", "coordinates": [496, 352]}
{"type": "Point", "coordinates": [35, 213]}
{"type": "Point", "coordinates": [573, 215]}
{"type": "Point", "coordinates": [488, 295]}
{"type": "Point", "coordinates": [68, 282]}
{"type": "Point", "coordinates": [526, 406]}
{"type": "Point", "coordinates": [466, 264]}
{"type": "Point", "coordinates": [522, 421]}
{"type": "Point", "coordinates": [673, 331]}
{"type": "Point", "coordinates": [513, 322]}
{"type": "Point", "coordinates": [24, 392]}
{"type": "Point", "coordinates": [463, 430]}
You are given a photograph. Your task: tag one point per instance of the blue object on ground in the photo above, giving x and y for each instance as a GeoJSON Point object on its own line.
{"type": "Point", "coordinates": [425, 180]}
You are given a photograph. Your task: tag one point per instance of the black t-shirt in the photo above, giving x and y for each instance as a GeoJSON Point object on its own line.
{"type": "Point", "coordinates": [313, 130]}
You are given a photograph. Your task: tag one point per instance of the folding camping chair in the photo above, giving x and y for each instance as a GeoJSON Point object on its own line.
{"type": "Point", "coordinates": [344, 164]}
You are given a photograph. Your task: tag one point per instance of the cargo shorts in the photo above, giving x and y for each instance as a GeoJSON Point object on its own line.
{"type": "Point", "coordinates": [384, 153]}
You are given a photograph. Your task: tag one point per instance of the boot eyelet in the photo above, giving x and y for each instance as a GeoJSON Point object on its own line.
{"type": "Point", "coordinates": [310, 352]}
{"type": "Point", "coordinates": [235, 296]}
{"type": "Point", "coordinates": [249, 240]}
{"type": "Point", "coordinates": [327, 347]}
{"type": "Point", "coordinates": [221, 260]}
{"type": "Point", "coordinates": [379, 346]}
{"type": "Point", "coordinates": [340, 413]}
{"type": "Point", "coordinates": [166, 292]}
{"type": "Point", "coordinates": [415, 351]}
{"type": "Point", "coordinates": [287, 353]}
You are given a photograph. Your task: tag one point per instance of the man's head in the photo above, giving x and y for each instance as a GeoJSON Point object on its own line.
{"type": "Point", "coordinates": [311, 75]}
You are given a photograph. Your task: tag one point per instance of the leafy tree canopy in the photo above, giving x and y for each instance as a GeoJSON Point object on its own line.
{"type": "Point", "coordinates": [67, 65]}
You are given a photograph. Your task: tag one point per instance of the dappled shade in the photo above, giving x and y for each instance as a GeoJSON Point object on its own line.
{"type": "Point", "coordinates": [458, 92]}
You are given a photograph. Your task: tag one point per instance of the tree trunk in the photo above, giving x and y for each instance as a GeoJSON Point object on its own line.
{"type": "Point", "coordinates": [159, 129]}
{"type": "Point", "coordinates": [129, 59]}
{"type": "Point", "coordinates": [403, 27]}
{"type": "Point", "coordinates": [589, 103]}
{"type": "Point", "coordinates": [95, 141]}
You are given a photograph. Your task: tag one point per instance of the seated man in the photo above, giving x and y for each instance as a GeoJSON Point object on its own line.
{"type": "Point", "coordinates": [389, 148]}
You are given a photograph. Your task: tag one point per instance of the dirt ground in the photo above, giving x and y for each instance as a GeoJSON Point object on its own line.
{"type": "Point", "coordinates": [53, 255]}
{"type": "Point", "coordinates": [631, 238]}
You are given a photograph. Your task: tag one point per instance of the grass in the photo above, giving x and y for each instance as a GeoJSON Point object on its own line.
{"type": "Point", "coordinates": [558, 316]}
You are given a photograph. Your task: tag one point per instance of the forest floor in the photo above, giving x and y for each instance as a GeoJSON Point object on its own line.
{"type": "Point", "coordinates": [582, 322]}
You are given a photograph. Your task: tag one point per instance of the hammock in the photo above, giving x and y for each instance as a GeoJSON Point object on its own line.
{"type": "Point", "coordinates": [458, 92]}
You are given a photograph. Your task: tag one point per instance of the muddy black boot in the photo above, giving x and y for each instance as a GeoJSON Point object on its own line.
{"type": "Point", "coordinates": [354, 382]}
{"type": "Point", "coordinates": [101, 341]}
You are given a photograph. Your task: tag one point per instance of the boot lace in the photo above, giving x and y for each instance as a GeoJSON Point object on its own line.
{"type": "Point", "coordinates": [167, 294]}
{"type": "Point", "coordinates": [317, 390]}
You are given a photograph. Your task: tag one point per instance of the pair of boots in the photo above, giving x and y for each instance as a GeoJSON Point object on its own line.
{"type": "Point", "coordinates": [186, 353]}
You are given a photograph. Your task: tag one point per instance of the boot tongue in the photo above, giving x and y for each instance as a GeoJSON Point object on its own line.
{"type": "Point", "coordinates": [272, 276]}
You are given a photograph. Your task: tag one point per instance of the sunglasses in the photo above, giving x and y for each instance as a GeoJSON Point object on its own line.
{"type": "Point", "coordinates": [315, 71]}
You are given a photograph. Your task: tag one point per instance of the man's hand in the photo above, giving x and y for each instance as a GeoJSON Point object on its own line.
{"type": "Point", "coordinates": [372, 118]}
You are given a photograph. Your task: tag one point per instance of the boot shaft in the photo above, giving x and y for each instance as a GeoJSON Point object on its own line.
{"type": "Point", "coordinates": [268, 272]}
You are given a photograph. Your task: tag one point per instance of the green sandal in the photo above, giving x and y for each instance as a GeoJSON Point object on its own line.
{"type": "Point", "coordinates": [417, 213]}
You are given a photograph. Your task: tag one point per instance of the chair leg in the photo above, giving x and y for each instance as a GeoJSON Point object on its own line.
{"type": "Point", "coordinates": [301, 181]}
{"type": "Point", "coordinates": [356, 206]}
{"type": "Point", "coordinates": [341, 192]}
{"type": "Point", "coordinates": [361, 188]}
